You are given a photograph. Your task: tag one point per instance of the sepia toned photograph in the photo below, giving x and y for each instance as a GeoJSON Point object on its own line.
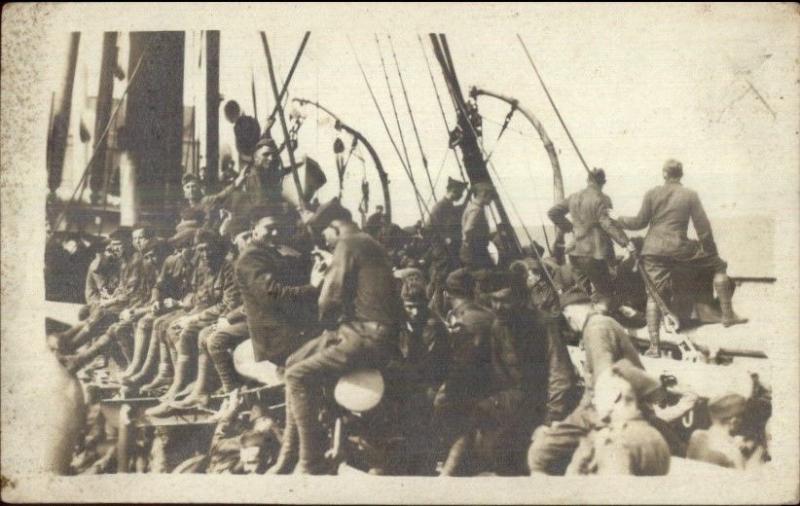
{"type": "Point", "coordinates": [378, 253]}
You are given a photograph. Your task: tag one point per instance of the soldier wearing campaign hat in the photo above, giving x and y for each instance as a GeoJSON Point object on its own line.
{"type": "Point", "coordinates": [475, 232]}
{"type": "Point", "coordinates": [444, 231]}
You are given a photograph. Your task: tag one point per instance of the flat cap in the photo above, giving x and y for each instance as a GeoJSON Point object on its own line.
{"type": "Point", "coordinates": [328, 212]}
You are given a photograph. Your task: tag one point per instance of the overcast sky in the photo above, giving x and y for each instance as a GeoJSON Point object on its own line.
{"type": "Point", "coordinates": [635, 85]}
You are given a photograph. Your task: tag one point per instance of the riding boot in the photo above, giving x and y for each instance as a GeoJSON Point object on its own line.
{"type": "Point", "coordinates": [151, 361]}
{"type": "Point", "coordinates": [199, 393]}
{"type": "Point", "coordinates": [456, 457]}
{"type": "Point", "coordinates": [653, 314]}
{"type": "Point", "coordinates": [287, 457]}
{"type": "Point", "coordinates": [724, 287]}
{"type": "Point", "coordinates": [164, 376]}
{"type": "Point", "coordinates": [77, 362]}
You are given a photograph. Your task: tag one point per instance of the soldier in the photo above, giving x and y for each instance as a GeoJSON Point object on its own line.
{"type": "Point", "coordinates": [666, 211]}
{"type": "Point", "coordinates": [102, 278]}
{"type": "Point", "coordinates": [153, 253]}
{"type": "Point", "coordinates": [375, 222]}
{"type": "Point", "coordinates": [626, 443]}
{"type": "Point", "coordinates": [274, 284]}
{"type": "Point", "coordinates": [359, 301]}
{"type": "Point", "coordinates": [543, 302]}
{"type": "Point", "coordinates": [469, 373]}
{"type": "Point", "coordinates": [475, 233]}
{"type": "Point", "coordinates": [424, 342]}
{"type": "Point", "coordinates": [593, 231]}
{"type": "Point", "coordinates": [172, 285]}
{"type": "Point", "coordinates": [605, 342]}
{"type": "Point", "coordinates": [219, 296]}
{"type": "Point", "coordinates": [444, 232]}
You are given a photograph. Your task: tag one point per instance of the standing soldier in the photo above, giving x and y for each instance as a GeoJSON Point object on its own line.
{"type": "Point", "coordinates": [666, 210]}
{"type": "Point", "coordinates": [475, 233]}
{"type": "Point", "coordinates": [593, 230]}
{"type": "Point", "coordinates": [444, 230]}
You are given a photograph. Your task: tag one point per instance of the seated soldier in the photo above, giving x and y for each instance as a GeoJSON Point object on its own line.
{"type": "Point", "coordinates": [102, 278]}
{"type": "Point", "coordinates": [162, 354]}
{"type": "Point", "coordinates": [220, 296]}
{"type": "Point", "coordinates": [360, 303]}
{"type": "Point", "coordinates": [424, 342]}
{"type": "Point", "coordinates": [117, 337]}
{"type": "Point", "coordinates": [720, 444]}
{"type": "Point", "coordinates": [129, 291]}
{"type": "Point", "coordinates": [173, 284]}
{"type": "Point", "coordinates": [605, 342]}
{"type": "Point", "coordinates": [468, 374]}
{"type": "Point", "coordinates": [216, 344]}
{"type": "Point", "coordinates": [625, 443]}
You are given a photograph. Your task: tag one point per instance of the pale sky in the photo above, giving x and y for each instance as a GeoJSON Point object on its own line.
{"type": "Point", "coordinates": [636, 85]}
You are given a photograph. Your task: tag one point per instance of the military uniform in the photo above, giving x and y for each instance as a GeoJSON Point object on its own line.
{"type": "Point", "coordinates": [359, 298]}
{"type": "Point", "coordinates": [605, 342]}
{"type": "Point", "coordinates": [593, 231]}
{"type": "Point", "coordinates": [277, 300]}
{"type": "Point", "coordinates": [475, 236]}
{"type": "Point", "coordinates": [632, 448]}
{"type": "Point", "coordinates": [444, 232]}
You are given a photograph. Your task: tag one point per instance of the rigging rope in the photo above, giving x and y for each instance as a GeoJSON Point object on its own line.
{"type": "Point", "coordinates": [386, 127]}
{"type": "Point", "coordinates": [394, 109]}
{"type": "Point", "coordinates": [439, 101]}
{"type": "Point", "coordinates": [569, 135]}
{"type": "Point", "coordinates": [413, 121]}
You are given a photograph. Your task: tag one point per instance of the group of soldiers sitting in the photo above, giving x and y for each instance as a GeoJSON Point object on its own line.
{"type": "Point", "coordinates": [320, 298]}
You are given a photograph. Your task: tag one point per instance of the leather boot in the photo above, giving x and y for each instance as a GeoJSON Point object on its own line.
{"type": "Point", "coordinates": [724, 287]}
{"type": "Point", "coordinates": [148, 367]}
{"type": "Point", "coordinates": [456, 457]}
{"type": "Point", "coordinates": [653, 314]}
{"type": "Point", "coordinates": [199, 394]}
{"type": "Point", "coordinates": [164, 376]}
{"type": "Point", "coordinates": [287, 457]}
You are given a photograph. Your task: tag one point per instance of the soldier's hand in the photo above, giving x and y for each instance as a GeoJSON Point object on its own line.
{"type": "Point", "coordinates": [125, 315]}
{"type": "Point", "coordinates": [318, 274]}
{"type": "Point", "coordinates": [614, 216]}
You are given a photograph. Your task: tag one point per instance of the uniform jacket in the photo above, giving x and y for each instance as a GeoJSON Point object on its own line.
{"type": "Point", "coordinates": [102, 279]}
{"type": "Point", "coordinates": [605, 342]}
{"type": "Point", "coordinates": [591, 225]}
{"type": "Point", "coordinates": [666, 210]}
{"type": "Point", "coordinates": [470, 371]}
{"type": "Point", "coordinates": [475, 236]}
{"type": "Point", "coordinates": [175, 279]}
{"type": "Point", "coordinates": [445, 223]}
{"type": "Point", "coordinates": [359, 284]}
{"type": "Point", "coordinates": [275, 292]}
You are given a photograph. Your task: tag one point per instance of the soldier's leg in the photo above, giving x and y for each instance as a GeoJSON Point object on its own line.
{"type": "Point", "coordinates": [141, 337]}
{"type": "Point", "coordinates": [160, 362]}
{"type": "Point", "coordinates": [220, 345]}
{"type": "Point", "coordinates": [552, 447]}
{"type": "Point", "coordinates": [200, 389]}
{"type": "Point", "coordinates": [186, 351]}
{"type": "Point", "coordinates": [151, 342]}
{"type": "Point", "coordinates": [288, 455]}
{"type": "Point", "coordinates": [562, 381]}
{"type": "Point", "coordinates": [659, 271]}
{"type": "Point", "coordinates": [724, 287]}
{"type": "Point", "coordinates": [304, 381]}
